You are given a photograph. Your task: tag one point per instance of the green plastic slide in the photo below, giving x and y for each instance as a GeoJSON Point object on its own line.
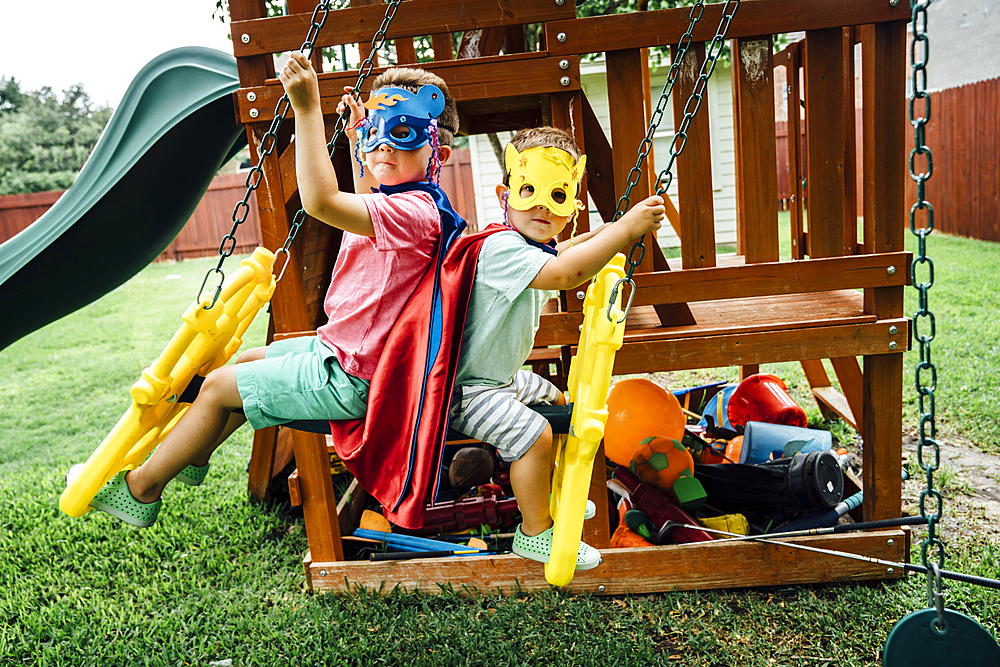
{"type": "Point", "coordinates": [157, 156]}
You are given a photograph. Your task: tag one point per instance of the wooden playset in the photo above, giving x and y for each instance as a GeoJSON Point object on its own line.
{"type": "Point", "coordinates": [840, 297]}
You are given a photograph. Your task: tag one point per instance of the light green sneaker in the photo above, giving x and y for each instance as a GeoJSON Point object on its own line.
{"type": "Point", "coordinates": [193, 475]}
{"type": "Point", "coordinates": [117, 500]}
{"type": "Point", "coordinates": [539, 547]}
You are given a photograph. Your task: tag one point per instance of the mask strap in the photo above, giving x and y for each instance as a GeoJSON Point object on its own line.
{"type": "Point", "coordinates": [506, 194]}
{"type": "Point", "coordinates": [434, 164]}
{"type": "Point", "coordinates": [357, 145]}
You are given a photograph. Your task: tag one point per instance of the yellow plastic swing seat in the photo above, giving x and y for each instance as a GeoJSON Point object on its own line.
{"type": "Point", "coordinates": [589, 379]}
{"type": "Point", "coordinates": [207, 339]}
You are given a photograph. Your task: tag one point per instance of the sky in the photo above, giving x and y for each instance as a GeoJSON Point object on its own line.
{"type": "Point", "coordinates": [101, 45]}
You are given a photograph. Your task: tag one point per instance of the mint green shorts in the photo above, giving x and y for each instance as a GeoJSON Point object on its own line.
{"type": "Point", "coordinates": [299, 378]}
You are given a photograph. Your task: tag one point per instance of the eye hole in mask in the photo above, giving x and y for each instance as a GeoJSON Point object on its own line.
{"type": "Point", "coordinates": [527, 191]}
{"type": "Point", "coordinates": [558, 196]}
{"type": "Point", "coordinates": [402, 132]}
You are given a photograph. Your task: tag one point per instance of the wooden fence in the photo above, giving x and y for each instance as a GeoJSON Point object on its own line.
{"type": "Point", "coordinates": [964, 186]}
{"type": "Point", "coordinates": [212, 219]}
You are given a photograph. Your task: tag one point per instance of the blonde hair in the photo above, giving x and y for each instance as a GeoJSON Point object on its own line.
{"type": "Point", "coordinates": [411, 79]}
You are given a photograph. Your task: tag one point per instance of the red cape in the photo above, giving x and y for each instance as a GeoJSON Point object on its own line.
{"type": "Point", "coordinates": [395, 451]}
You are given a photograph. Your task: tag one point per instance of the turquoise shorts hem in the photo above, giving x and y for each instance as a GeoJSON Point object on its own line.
{"type": "Point", "coordinates": [299, 378]}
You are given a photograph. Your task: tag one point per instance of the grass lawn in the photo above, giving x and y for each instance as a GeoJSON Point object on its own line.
{"type": "Point", "coordinates": [219, 581]}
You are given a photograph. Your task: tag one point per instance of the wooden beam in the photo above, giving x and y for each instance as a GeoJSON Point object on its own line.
{"type": "Point", "coordinates": [695, 195]}
{"type": "Point", "coordinates": [764, 347]}
{"type": "Point", "coordinates": [600, 164]}
{"type": "Point", "coordinates": [825, 129]}
{"type": "Point", "coordinates": [753, 280]}
{"type": "Point", "coordinates": [414, 18]}
{"type": "Point", "coordinates": [757, 180]}
{"type": "Point", "coordinates": [475, 79]}
{"type": "Point", "coordinates": [884, 82]}
{"type": "Point", "coordinates": [851, 386]}
{"type": "Point", "coordinates": [696, 566]}
{"type": "Point", "coordinates": [665, 27]}
{"type": "Point", "coordinates": [441, 43]}
{"type": "Point", "coordinates": [791, 57]}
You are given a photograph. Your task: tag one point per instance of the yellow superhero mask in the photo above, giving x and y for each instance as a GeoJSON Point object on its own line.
{"type": "Point", "coordinates": [544, 176]}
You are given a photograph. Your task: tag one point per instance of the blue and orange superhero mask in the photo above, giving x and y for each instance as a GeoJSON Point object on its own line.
{"type": "Point", "coordinates": [545, 176]}
{"type": "Point", "coordinates": [400, 118]}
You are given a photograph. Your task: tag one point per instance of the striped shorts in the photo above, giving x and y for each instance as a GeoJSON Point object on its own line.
{"type": "Point", "coordinates": [500, 416]}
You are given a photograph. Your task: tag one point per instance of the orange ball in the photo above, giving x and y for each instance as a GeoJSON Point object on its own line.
{"type": "Point", "coordinates": [638, 409]}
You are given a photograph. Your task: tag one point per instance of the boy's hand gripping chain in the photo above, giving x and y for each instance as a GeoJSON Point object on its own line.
{"type": "Point", "coordinates": [209, 336]}
{"type": "Point", "coordinates": [589, 380]}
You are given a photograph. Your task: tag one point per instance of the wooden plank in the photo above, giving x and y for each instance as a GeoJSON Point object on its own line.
{"type": "Point", "coordinates": [253, 70]}
{"type": "Point", "coordinates": [757, 178]}
{"type": "Point", "coordinates": [819, 382]}
{"type": "Point", "coordinates": [774, 278]}
{"type": "Point", "coordinates": [833, 401]}
{"type": "Point", "coordinates": [261, 463]}
{"type": "Point", "coordinates": [695, 195]}
{"type": "Point", "coordinates": [697, 566]}
{"type": "Point", "coordinates": [762, 347]}
{"type": "Point", "coordinates": [850, 147]}
{"type": "Point", "coordinates": [441, 43]}
{"type": "Point", "coordinates": [600, 164]}
{"type": "Point", "coordinates": [406, 52]}
{"type": "Point", "coordinates": [666, 26]}
{"type": "Point", "coordinates": [851, 385]}
{"type": "Point", "coordinates": [717, 318]}
{"type": "Point", "coordinates": [350, 506]}
{"type": "Point", "coordinates": [414, 18]}
{"type": "Point", "coordinates": [489, 78]}
{"type": "Point", "coordinates": [881, 430]}
{"type": "Point", "coordinates": [316, 488]}
{"type": "Point", "coordinates": [793, 96]}
{"type": "Point", "coordinates": [825, 129]}
{"type": "Point", "coordinates": [628, 128]}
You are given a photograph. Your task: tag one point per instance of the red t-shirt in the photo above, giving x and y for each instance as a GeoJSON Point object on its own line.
{"type": "Point", "coordinates": [375, 277]}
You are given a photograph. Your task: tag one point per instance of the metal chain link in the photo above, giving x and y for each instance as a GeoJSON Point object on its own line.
{"type": "Point", "coordinates": [378, 41]}
{"type": "Point", "coordinates": [925, 375]}
{"type": "Point", "coordinates": [269, 141]}
{"type": "Point", "coordinates": [715, 49]}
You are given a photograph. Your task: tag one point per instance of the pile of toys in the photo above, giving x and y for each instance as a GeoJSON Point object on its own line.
{"type": "Point", "coordinates": [684, 466]}
{"type": "Point", "coordinates": [748, 466]}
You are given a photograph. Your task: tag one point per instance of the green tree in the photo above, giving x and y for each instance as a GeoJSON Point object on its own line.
{"type": "Point", "coordinates": [45, 138]}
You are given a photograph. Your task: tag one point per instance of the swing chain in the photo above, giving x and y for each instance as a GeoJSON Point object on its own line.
{"type": "Point", "coordinates": [267, 144]}
{"type": "Point", "coordinates": [925, 374]}
{"type": "Point", "coordinates": [714, 51]}
{"type": "Point", "coordinates": [378, 41]}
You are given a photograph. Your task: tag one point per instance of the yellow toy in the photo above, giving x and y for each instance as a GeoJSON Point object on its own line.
{"type": "Point", "coordinates": [589, 379]}
{"type": "Point", "coordinates": [206, 340]}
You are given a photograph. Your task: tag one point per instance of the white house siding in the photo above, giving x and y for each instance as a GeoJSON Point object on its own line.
{"type": "Point", "coordinates": [593, 79]}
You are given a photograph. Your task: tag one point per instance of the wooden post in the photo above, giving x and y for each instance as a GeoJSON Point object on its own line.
{"type": "Point", "coordinates": [758, 166]}
{"type": "Point", "coordinates": [695, 196]}
{"type": "Point", "coordinates": [793, 96]}
{"type": "Point", "coordinates": [884, 83]}
{"type": "Point", "coordinates": [825, 129]}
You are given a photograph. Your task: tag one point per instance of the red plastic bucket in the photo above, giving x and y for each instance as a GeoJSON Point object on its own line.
{"type": "Point", "coordinates": [764, 398]}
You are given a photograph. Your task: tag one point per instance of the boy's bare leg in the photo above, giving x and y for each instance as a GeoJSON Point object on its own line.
{"type": "Point", "coordinates": [235, 419]}
{"type": "Point", "coordinates": [530, 478]}
{"type": "Point", "coordinates": [205, 425]}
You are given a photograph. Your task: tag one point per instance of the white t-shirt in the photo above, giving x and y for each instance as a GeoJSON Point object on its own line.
{"type": "Point", "coordinates": [503, 312]}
